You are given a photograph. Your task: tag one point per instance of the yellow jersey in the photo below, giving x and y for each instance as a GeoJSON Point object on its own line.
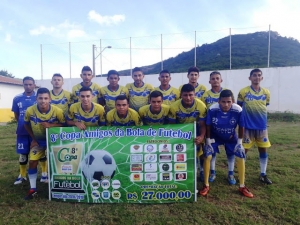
{"type": "Point", "coordinates": [62, 100]}
{"type": "Point", "coordinates": [109, 96]}
{"type": "Point", "coordinates": [199, 90]}
{"type": "Point", "coordinates": [150, 118]}
{"type": "Point", "coordinates": [210, 97]}
{"type": "Point", "coordinates": [35, 117]}
{"type": "Point", "coordinates": [171, 95]}
{"type": "Point", "coordinates": [95, 117]}
{"type": "Point", "coordinates": [95, 89]}
{"type": "Point", "coordinates": [138, 96]}
{"type": "Point", "coordinates": [132, 118]}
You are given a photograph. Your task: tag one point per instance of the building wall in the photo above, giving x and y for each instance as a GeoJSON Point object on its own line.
{"type": "Point", "coordinates": [7, 94]}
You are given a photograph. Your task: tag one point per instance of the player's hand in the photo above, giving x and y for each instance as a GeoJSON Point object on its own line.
{"type": "Point", "coordinates": [239, 150]}
{"type": "Point", "coordinates": [80, 125]}
{"type": "Point", "coordinates": [198, 140]}
{"type": "Point", "coordinates": [45, 124]}
{"type": "Point", "coordinates": [208, 148]}
{"type": "Point", "coordinates": [33, 144]}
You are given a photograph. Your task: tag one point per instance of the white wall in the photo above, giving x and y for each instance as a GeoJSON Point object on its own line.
{"type": "Point", "coordinates": [282, 82]}
{"type": "Point", "coordinates": [7, 94]}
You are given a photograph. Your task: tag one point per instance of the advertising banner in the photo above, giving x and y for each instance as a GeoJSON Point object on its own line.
{"type": "Point", "coordinates": [147, 164]}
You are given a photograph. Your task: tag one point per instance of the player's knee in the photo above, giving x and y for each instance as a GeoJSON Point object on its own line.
{"type": "Point", "coordinates": [33, 164]}
{"type": "Point", "coordinates": [43, 159]}
{"type": "Point", "coordinates": [23, 159]}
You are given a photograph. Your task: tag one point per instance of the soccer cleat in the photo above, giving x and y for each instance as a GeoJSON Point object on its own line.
{"type": "Point", "coordinates": [204, 191]}
{"type": "Point", "coordinates": [212, 177]}
{"type": "Point", "coordinates": [245, 191]}
{"type": "Point", "coordinates": [231, 180]}
{"type": "Point", "coordinates": [265, 179]}
{"type": "Point", "coordinates": [20, 180]}
{"type": "Point", "coordinates": [31, 194]}
{"type": "Point", "coordinates": [201, 177]}
{"type": "Point", "coordinates": [44, 179]}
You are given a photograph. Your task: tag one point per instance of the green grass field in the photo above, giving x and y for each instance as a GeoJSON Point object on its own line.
{"type": "Point", "coordinates": [278, 203]}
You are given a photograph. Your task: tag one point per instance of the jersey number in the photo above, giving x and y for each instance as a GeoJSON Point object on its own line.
{"type": "Point", "coordinates": [20, 146]}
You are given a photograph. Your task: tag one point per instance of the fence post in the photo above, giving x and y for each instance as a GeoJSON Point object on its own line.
{"type": "Point", "coordinates": [41, 61]}
{"type": "Point", "coordinates": [269, 45]}
{"type": "Point", "coordinates": [195, 58]}
{"type": "Point", "coordinates": [161, 50]}
{"type": "Point", "coordinates": [70, 59]}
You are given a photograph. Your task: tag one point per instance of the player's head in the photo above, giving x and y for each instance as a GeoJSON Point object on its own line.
{"type": "Point", "coordinates": [226, 100]}
{"type": "Point", "coordinates": [137, 75]}
{"type": "Point", "coordinates": [215, 79]}
{"type": "Point", "coordinates": [164, 77]}
{"type": "Point", "coordinates": [121, 104]}
{"type": "Point", "coordinates": [156, 99]}
{"type": "Point", "coordinates": [57, 80]}
{"type": "Point", "coordinates": [113, 77]}
{"type": "Point", "coordinates": [86, 74]}
{"type": "Point", "coordinates": [193, 75]}
{"type": "Point", "coordinates": [43, 98]}
{"type": "Point", "coordinates": [256, 76]}
{"type": "Point", "coordinates": [86, 96]}
{"type": "Point", "coordinates": [187, 94]}
{"type": "Point", "coordinates": [28, 84]}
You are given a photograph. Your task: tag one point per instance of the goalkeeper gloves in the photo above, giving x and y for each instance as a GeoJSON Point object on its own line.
{"type": "Point", "coordinates": [239, 150]}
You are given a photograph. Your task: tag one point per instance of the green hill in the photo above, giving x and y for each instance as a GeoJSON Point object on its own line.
{"type": "Point", "coordinates": [247, 51]}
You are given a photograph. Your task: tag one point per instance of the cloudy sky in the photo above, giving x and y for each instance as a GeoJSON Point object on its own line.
{"type": "Point", "coordinates": [63, 32]}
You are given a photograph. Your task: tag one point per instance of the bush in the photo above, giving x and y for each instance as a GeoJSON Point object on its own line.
{"type": "Point", "coordinates": [285, 116]}
{"type": "Point", "coordinates": [13, 121]}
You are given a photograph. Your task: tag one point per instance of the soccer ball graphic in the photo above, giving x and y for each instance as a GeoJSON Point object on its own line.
{"type": "Point", "coordinates": [98, 165]}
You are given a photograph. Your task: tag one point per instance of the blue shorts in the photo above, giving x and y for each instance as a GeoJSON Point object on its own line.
{"type": "Point", "coordinates": [23, 144]}
{"type": "Point", "coordinates": [229, 147]}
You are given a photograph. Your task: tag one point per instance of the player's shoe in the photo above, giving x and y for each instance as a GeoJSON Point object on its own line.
{"type": "Point", "coordinates": [212, 177]}
{"type": "Point", "coordinates": [31, 194]}
{"type": "Point", "coordinates": [265, 179]}
{"type": "Point", "coordinates": [44, 179]}
{"type": "Point", "coordinates": [201, 177]}
{"type": "Point", "coordinates": [20, 180]}
{"type": "Point", "coordinates": [245, 191]}
{"type": "Point", "coordinates": [204, 191]}
{"type": "Point", "coordinates": [231, 180]}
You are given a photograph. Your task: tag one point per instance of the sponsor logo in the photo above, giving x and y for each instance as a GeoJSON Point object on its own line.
{"type": "Point", "coordinates": [165, 158]}
{"type": "Point", "coordinates": [165, 148]}
{"type": "Point", "coordinates": [116, 184]}
{"type": "Point", "coordinates": [137, 167]}
{"type": "Point", "coordinates": [116, 194]}
{"type": "Point", "coordinates": [151, 177]}
{"type": "Point", "coordinates": [136, 148]}
{"type": "Point", "coordinates": [180, 176]}
{"type": "Point", "coordinates": [150, 148]}
{"type": "Point", "coordinates": [95, 184]}
{"type": "Point", "coordinates": [180, 157]}
{"type": "Point", "coordinates": [180, 148]}
{"type": "Point", "coordinates": [95, 194]}
{"type": "Point", "coordinates": [136, 158]}
{"type": "Point", "coordinates": [67, 168]}
{"type": "Point", "coordinates": [136, 177]}
{"type": "Point", "coordinates": [105, 194]}
{"type": "Point", "coordinates": [232, 121]}
{"type": "Point", "coordinates": [180, 166]}
{"type": "Point", "coordinates": [105, 184]}
{"type": "Point", "coordinates": [165, 167]}
{"type": "Point", "coordinates": [165, 176]}
{"type": "Point", "coordinates": [150, 158]}
{"type": "Point", "coordinates": [150, 167]}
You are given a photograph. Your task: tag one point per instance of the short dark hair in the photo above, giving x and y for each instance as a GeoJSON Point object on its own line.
{"type": "Point", "coordinates": [155, 94]}
{"type": "Point", "coordinates": [121, 97]}
{"type": "Point", "coordinates": [193, 69]}
{"type": "Point", "coordinates": [113, 72]}
{"type": "Point", "coordinates": [214, 73]}
{"type": "Point", "coordinates": [28, 78]}
{"type": "Point", "coordinates": [226, 93]}
{"type": "Point", "coordinates": [187, 88]}
{"type": "Point", "coordinates": [57, 75]}
{"type": "Point", "coordinates": [164, 71]}
{"type": "Point", "coordinates": [254, 71]}
{"type": "Point", "coordinates": [85, 89]}
{"type": "Point", "coordinates": [137, 69]}
{"type": "Point", "coordinates": [42, 90]}
{"type": "Point", "coordinates": [86, 68]}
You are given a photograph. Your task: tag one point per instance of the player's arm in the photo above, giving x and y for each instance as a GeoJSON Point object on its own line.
{"type": "Point", "coordinates": [172, 116]}
{"type": "Point", "coordinates": [29, 129]}
{"type": "Point", "coordinates": [71, 122]}
{"type": "Point", "coordinates": [200, 138]}
{"type": "Point", "coordinates": [15, 109]}
{"type": "Point", "coordinates": [16, 116]}
{"type": "Point", "coordinates": [102, 121]}
{"type": "Point", "coordinates": [240, 99]}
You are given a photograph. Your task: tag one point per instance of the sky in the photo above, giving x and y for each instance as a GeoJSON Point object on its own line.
{"type": "Point", "coordinates": [40, 38]}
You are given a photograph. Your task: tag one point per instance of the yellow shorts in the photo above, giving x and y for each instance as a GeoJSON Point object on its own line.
{"type": "Point", "coordinates": [200, 150]}
{"type": "Point", "coordinates": [259, 137]}
{"type": "Point", "coordinates": [37, 152]}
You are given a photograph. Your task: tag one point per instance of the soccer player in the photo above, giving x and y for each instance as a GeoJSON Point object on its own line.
{"type": "Point", "coordinates": [156, 113]}
{"type": "Point", "coordinates": [122, 115]}
{"type": "Point", "coordinates": [170, 93]}
{"type": "Point", "coordinates": [20, 103]}
{"type": "Point", "coordinates": [222, 120]}
{"type": "Point", "coordinates": [86, 113]}
{"type": "Point", "coordinates": [59, 97]}
{"type": "Point", "coordinates": [37, 118]}
{"type": "Point", "coordinates": [110, 92]}
{"type": "Point", "coordinates": [87, 76]}
{"type": "Point", "coordinates": [193, 76]}
{"type": "Point", "coordinates": [188, 109]}
{"type": "Point", "coordinates": [138, 90]}
{"type": "Point", "coordinates": [254, 100]}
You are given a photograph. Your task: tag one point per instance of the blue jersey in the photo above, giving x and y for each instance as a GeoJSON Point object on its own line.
{"type": "Point", "coordinates": [223, 124]}
{"type": "Point", "coordinates": [20, 103]}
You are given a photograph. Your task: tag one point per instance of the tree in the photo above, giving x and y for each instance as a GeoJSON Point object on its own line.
{"type": "Point", "coordinates": [6, 74]}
